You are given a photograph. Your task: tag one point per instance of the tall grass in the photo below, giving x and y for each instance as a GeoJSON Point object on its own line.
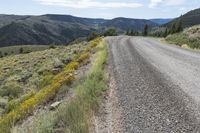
{"type": "Point", "coordinates": [75, 116]}
{"type": "Point", "coordinates": [45, 94]}
{"type": "Point", "coordinates": [183, 39]}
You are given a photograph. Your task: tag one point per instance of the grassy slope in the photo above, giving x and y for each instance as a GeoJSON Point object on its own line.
{"type": "Point", "coordinates": [189, 37]}
{"type": "Point", "coordinates": [13, 50]}
{"type": "Point", "coordinates": [75, 115]}
{"type": "Point", "coordinates": [24, 74]}
{"type": "Point", "coordinates": [48, 91]}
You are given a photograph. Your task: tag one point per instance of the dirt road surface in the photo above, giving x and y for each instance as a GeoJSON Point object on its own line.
{"type": "Point", "coordinates": [157, 85]}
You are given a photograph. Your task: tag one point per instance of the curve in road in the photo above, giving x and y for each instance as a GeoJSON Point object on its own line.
{"type": "Point", "coordinates": [158, 86]}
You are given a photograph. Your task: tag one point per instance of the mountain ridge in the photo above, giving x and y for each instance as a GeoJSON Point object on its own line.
{"type": "Point", "coordinates": [189, 19]}
{"type": "Point", "coordinates": [59, 29]}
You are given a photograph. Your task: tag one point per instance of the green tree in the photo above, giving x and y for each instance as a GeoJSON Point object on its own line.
{"type": "Point", "coordinates": [146, 28]}
{"type": "Point", "coordinates": [92, 36]}
{"type": "Point", "coordinates": [110, 32]}
{"type": "Point", "coordinates": [132, 33]}
{"type": "Point", "coordinates": [165, 33]}
{"type": "Point", "coordinates": [176, 27]}
{"type": "Point", "coordinates": [173, 28]}
{"type": "Point", "coordinates": [5, 53]}
{"type": "Point", "coordinates": [179, 27]}
{"type": "Point", "coordinates": [21, 50]}
{"type": "Point", "coordinates": [1, 54]}
{"type": "Point", "coordinates": [127, 32]}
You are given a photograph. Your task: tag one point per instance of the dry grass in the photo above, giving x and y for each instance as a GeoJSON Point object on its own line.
{"type": "Point", "coordinates": [74, 116]}
{"type": "Point", "coordinates": [190, 37]}
{"type": "Point", "coordinates": [50, 88]}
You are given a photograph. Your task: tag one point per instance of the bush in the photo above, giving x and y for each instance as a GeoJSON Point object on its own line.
{"type": "Point", "coordinates": [83, 57]}
{"type": "Point", "coordinates": [21, 50]}
{"type": "Point", "coordinates": [88, 92]}
{"type": "Point", "coordinates": [14, 103]}
{"type": "Point", "coordinates": [52, 46]}
{"type": "Point", "coordinates": [181, 39]}
{"type": "Point", "coordinates": [28, 50]}
{"type": "Point", "coordinates": [110, 32]}
{"type": "Point", "coordinates": [92, 36]}
{"type": "Point", "coordinates": [11, 89]}
{"type": "Point", "coordinates": [46, 79]}
{"type": "Point", "coordinates": [194, 43]}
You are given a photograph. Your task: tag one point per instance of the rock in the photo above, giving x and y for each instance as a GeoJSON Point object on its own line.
{"type": "Point", "coordinates": [25, 78]}
{"type": "Point", "coordinates": [23, 62]}
{"type": "Point", "coordinates": [6, 68]}
{"type": "Point", "coordinates": [3, 102]}
{"type": "Point", "coordinates": [84, 43]}
{"type": "Point", "coordinates": [75, 51]}
{"type": "Point", "coordinates": [55, 105]}
{"type": "Point", "coordinates": [67, 61]}
{"type": "Point", "coordinates": [56, 70]}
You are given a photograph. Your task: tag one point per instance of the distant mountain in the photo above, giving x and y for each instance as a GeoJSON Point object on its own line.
{"type": "Point", "coordinates": [45, 29]}
{"type": "Point", "coordinates": [58, 29]}
{"type": "Point", "coordinates": [161, 21]}
{"type": "Point", "coordinates": [189, 19]}
{"type": "Point", "coordinates": [123, 24]}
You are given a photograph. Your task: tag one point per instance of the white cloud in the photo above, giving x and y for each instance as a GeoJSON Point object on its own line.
{"type": "Point", "coordinates": [175, 2]}
{"type": "Point", "coordinates": [89, 4]}
{"type": "Point", "coordinates": [182, 8]}
{"type": "Point", "coordinates": [154, 3]}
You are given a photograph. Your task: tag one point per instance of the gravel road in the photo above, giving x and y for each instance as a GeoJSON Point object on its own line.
{"type": "Point", "coordinates": [157, 85]}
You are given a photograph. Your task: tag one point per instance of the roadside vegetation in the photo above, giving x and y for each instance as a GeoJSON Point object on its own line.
{"type": "Point", "coordinates": [174, 34]}
{"type": "Point", "coordinates": [190, 37]}
{"type": "Point", "coordinates": [145, 32]}
{"type": "Point", "coordinates": [164, 31]}
{"type": "Point", "coordinates": [21, 49]}
{"type": "Point", "coordinates": [41, 76]}
{"type": "Point", "coordinates": [75, 115]}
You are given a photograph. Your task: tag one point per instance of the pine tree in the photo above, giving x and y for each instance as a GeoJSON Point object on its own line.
{"type": "Point", "coordinates": [145, 32]}
{"type": "Point", "coordinates": [127, 32]}
{"type": "Point", "coordinates": [179, 27]}
{"type": "Point", "coordinates": [166, 33]}
{"type": "Point", "coordinates": [21, 50]}
{"type": "Point", "coordinates": [173, 28]}
{"type": "Point", "coordinates": [1, 54]}
{"type": "Point", "coordinates": [132, 33]}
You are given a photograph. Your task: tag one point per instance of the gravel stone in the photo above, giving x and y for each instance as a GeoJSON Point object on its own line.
{"type": "Point", "coordinates": [158, 86]}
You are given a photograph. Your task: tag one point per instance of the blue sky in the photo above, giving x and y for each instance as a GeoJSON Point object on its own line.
{"type": "Point", "coordinates": [101, 8]}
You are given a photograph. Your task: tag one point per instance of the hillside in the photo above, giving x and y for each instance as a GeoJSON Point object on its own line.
{"type": "Point", "coordinates": [123, 24]}
{"type": "Point", "coordinates": [190, 37]}
{"type": "Point", "coordinates": [161, 21]}
{"type": "Point", "coordinates": [46, 29]}
{"type": "Point", "coordinates": [189, 19]}
{"type": "Point", "coordinates": [32, 83]}
{"type": "Point", "coordinates": [58, 29]}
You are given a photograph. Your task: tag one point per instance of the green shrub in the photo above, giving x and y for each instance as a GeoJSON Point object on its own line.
{"type": "Point", "coordinates": [14, 103]}
{"type": "Point", "coordinates": [76, 114]}
{"type": "Point", "coordinates": [194, 43]}
{"type": "Point", "coordinates": [110, 32]}
{"type": "Point", "coordinates": [52, 46]}
{"type": "Point", "coordinates": [46, 79]}
{"type": "Point", "coordinates": [11, 89]}
{"type": "Point", "coordinates": [21, 50]}
{"type": "Point", "coordinates": [92, 36]}
{"type": "Point", "coordinates": [182, 39]}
